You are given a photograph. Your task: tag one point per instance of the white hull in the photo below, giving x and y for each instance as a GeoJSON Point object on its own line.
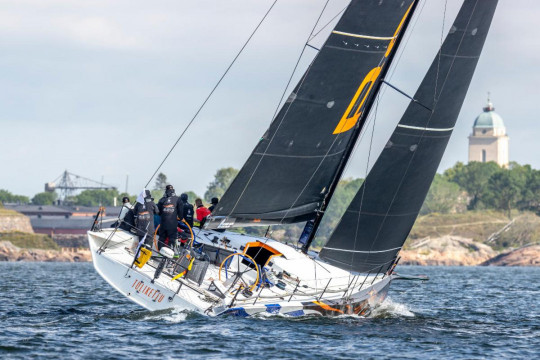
{"type": "Point", "coordinates": [321, 289]}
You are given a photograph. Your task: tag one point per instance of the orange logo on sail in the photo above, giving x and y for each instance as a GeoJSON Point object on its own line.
{"type": "Point", "coordinates": [355, 108]}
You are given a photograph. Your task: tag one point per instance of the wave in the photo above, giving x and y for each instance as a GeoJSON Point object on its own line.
{"type": "Point", "coordinates": [390, 309]}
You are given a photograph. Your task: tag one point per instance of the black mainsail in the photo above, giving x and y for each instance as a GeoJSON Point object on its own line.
{"type": "Point", "coordinates": [297, 162]}
{"type": "Point", "coordinates": [381, 215]}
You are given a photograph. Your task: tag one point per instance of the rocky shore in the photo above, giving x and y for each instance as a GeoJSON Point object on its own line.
{"type": "Point", "coordinates": [459, 251]}
{"type": "Point", "coordinates": [447, 250]}
{"type": "Point", "coordinates": [526, 256]}
{"type": "Point", "coordinates": [10, 252]}
{"type": "Point", "coordinates": [443, 251]}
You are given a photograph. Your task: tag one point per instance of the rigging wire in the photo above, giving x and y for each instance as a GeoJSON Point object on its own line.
{"type": "Point", "coordinates": [423, 132]}
{"type": "Point", "coordinates": [211, 93]}
{"type": "Point", "coordinates": [402, 48]}
{"type": "Point", "coordinates": [316, 170]}
{"type": "Point", "coordinates": [363, 186]}
{"type": "Point", "coordinates": [328, 23]}
{"type": "Point", "coordinates": [381, 94]}
{"type": "Point", "coordinates": [277, 109]}
{"type": "Point", "coordinates": [391, 71]}
{"type": "Point", "coordinates": [278, 106]}
{"type": "Point", "coordinates": [298, 61]}
{"type": "Point", "coordinates": [440, 54]}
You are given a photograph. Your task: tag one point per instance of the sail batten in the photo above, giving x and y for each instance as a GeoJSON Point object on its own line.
{"type": "Point", "coordinates": [295, 164]}
{"type": "Point", "coordinates": [381, 215]}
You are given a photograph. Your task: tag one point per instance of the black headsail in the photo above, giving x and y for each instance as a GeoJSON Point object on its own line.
{"type": "Point", "coordinates": [291, 169]}
{"type": "Point", "coordinates": [382, 213]}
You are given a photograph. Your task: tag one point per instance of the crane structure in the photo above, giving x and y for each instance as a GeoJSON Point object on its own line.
{"type": "Point", "coordinates": [67, 183]}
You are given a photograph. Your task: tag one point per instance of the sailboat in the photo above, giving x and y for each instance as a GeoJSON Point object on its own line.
{"type": "Point", "coordinates": [292, 174]}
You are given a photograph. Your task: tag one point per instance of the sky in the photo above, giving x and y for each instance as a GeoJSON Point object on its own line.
{"type": "Point", "coordinates": [104, 88]}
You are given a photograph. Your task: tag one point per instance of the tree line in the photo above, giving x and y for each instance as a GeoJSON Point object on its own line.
{"type": "Point", "coordinates": [476, 186]}
{"type": "Point", "coordinates": [216, 188]}
{"type": "Point", "coordinates": [463, 187]}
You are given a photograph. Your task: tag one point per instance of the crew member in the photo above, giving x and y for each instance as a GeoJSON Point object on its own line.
{"type": "Point", "coordinates": [213, 204]}
{"type": "Point", "coordinates": [126, 206]}
{"type": "Point", "coordinates": [188, 210]}
{"type": "Point", "coordinates": [171, 208]}
{"type": "Point", "coordinates": [144, 217]}
{"type": "Point", "coordinates": [202, 211]}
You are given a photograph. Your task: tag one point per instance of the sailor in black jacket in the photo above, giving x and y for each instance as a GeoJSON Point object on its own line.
{"type": "Point", "coordinates": [144, 217]}
{"type": "Point", "coordinates": [188, 210]}
{"type": "Point", "coordinates": [171, 208]}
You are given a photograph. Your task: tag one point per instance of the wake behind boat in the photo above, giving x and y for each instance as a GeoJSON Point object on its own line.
{"type": "Point", "coordinates": [300, 159]}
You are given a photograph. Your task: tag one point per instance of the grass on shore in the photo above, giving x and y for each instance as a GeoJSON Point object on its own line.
{"type": "Point", "coordinates": [6, 212]}
{"type": "Point", "coordinates": [29, 241]}
{"type": "Point", "coordinates": [480, 226]}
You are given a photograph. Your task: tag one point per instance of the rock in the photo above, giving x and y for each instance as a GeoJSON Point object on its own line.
{"type": "Point", "coordinates": [447, 250]}
{"type": "Point", "coordinates": [525, 256]}
{"type": "Point", "coordinates": [13, 221]}
{"type": "Point", "coordinates": [10, 252]}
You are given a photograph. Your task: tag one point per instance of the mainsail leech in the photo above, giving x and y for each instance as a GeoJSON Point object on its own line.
{"type": "Point", "coordinates": [381, 215]}
{"type": "Point", "coordinates": [299, 158]}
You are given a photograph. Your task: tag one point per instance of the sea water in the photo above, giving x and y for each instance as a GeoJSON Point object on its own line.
{"type": "Point", "coordinates": [57, 310]}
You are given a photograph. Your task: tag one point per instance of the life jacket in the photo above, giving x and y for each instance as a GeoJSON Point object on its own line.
{"type": "Point", "coordinates": [169, 210]}
{"type": "Point", "coordinates": [188, 213]}
{"type": "Point", "coordinates": [144, 218]}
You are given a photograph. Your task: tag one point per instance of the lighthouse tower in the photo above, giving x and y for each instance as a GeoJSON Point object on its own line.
{"type": "Point", "coordinates": [488, 141]}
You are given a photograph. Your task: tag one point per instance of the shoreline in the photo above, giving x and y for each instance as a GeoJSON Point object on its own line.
{"type": "Point", "coordinates": [527, 256]}
{"type": "Point", "coordinates": [12, 253]}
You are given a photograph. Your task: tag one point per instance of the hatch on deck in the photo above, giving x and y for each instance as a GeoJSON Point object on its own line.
{"type": "Point", "coordinates": [260, 252]}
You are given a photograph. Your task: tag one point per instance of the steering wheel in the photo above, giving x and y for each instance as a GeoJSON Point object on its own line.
{"type": "Point", "coordinates": [239, 275]}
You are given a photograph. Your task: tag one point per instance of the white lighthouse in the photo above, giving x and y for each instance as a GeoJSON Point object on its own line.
{"type": "Point", "coordinates": [488, 141]}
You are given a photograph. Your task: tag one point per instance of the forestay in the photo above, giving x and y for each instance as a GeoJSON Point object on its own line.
{"type": "Point", "coordinates": [288, 174]}
{"type": "Point", "coordinates": [381, 215]}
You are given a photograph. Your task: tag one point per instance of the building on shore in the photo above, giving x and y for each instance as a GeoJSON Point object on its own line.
{"type": "Point", "coordinates": [62, 220]}
{"type": "Point", "coordinates": [489, 141]}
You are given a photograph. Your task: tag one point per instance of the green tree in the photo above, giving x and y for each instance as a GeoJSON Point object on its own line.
{"type": "Point", "coordinates": [97, 198]}
{"type": "Point", "coordinates": [343, 196]}
{"type": "Point", "coordinates": [504, 189]}
{"type": "Point", "coordinates": [44, 198]}
{"type": "Point", "coordinates": [531, 193]}
{"type": "Point", "coordinates": [452, 173]}
{"type": "Point", "coordinates": [443, 197]}
{"type": "Point", "coordinates": [132, 198]}
{"type": "Point", "coordinates": [161, 182]}
{"type": "Point", "coordinates": [192, 196]}
{"type": "Point", "coordinates": [221, 182]}
{"type": "Point", "coordinates": [157, 194]}
{"type": "Point", "coordinates": [8, 197]}
{"type": "Point", "coordinates": [472, 178]}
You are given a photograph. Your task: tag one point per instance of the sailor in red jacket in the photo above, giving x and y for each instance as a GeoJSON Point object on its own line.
{"type": "Point", "coordinates": [202, 212]}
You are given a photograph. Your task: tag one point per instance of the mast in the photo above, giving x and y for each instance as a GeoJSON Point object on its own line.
{"type": "Point", "coordinates": [400, 33]}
